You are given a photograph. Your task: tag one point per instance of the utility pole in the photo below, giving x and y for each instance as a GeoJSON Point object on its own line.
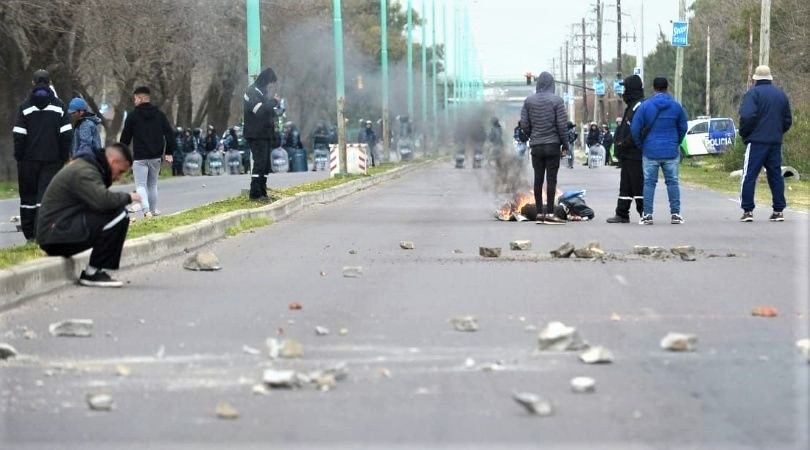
{"type": "Point", "coordinates": [679, 56]}
{"type": "Point", "coordinates": [386, 130]}
{"type": "Point", "coordinates": [434, 81]}
{"type": "Point", "coordinates": [750, 49]}
{"type": "Point", "coordinates": [446, 72]}
{"type": "Point", "coordinates": [340, 86]}
{"type": "Point", "coordinates": [254, 39]}
{"type": "Point", "coordinates": [424, 105]}
{"type": "Point", "coordinates": [568, 86]}
{"type": "Point", "coordinates": [618, 36]}
{"type": "Point", "coordinates": [409, 68]}
{"type": "Point", "coordinates": [708, 70]}
{"type": "Point", "coordinates": [584, 91]}
{"type": "Point", "coordinates": [597, 101]}
{"type": "Point", "coordinates": [640, 59]}
{"type": "Point", "coordinates": [765, 33]}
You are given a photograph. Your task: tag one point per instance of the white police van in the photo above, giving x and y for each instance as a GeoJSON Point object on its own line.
{"type": "Point", "coordinates": [708, 135]}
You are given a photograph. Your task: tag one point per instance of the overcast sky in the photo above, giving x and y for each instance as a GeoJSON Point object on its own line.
{"type": "Point", "coordinates": [518, 36]}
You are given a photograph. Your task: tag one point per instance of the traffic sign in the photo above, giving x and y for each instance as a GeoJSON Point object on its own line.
{"type": "Point", "coordinates": [618, 87]}
{"type": "Point", "coordinates": [680, 34]}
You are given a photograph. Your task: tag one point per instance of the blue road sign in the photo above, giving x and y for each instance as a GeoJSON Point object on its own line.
{"type": "Point", "coordinates": [618, 87]}
{"type": "Point", "coordinates": [599, 86]}
{"type": "Point", "coordinates": [680, 34]}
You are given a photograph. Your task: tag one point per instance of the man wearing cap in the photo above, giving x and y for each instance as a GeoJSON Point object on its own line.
{"type": "Point", "coordinates": [260, 131]}
{"type": "Point", "coordinates": [42, 136]}
{"type": "Point", "coordinates": [659, 126]}
{"type": "Point", "coordinates": [764, 119]}
{"type": "Point", "coordinates": [86, 139]}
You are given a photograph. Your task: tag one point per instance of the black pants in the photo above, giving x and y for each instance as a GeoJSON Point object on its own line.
{"type": "Point", "coordinates": [107, 235]}
{"type": "Point", "coordinates": [631, 187]}
{"type": "Point", "coordinates": [260, 149]}
{"type": "Point", "coordinates": [546, 164]}
{"type": "Point", "coordinates": [33, 177]}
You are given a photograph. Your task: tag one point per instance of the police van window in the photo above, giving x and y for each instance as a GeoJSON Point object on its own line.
{"type": "Point", "coordinates": [722, 125]}
{"type": "Point", "coordinates": [702, 127]}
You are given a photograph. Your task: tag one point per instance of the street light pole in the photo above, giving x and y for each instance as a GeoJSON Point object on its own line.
{"type": "Point", "coordinates": [423, 11]}
{"type": "Point", "coordinates": [765, 32]}
{"type": "Point", "coordinates": [409, 69]}
{"type": "Point", "coordinates": [435, 100]}
{"type": "Point", "coordinates": [254, 39]}
{"type": "Point", "coordinates": [679, 57]}
{"type": "Point", "coordinates": [340, 85]}
{"type": "Point", "coordinates": [386, 132]}
{"type": "Point", "coordinates": [446, 72]}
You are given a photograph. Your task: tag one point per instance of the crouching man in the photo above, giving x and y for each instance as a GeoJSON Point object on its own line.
{"type": "Point", "coordinates": [79, 212]}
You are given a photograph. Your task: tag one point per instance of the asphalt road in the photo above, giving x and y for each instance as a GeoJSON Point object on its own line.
{"type": "Point", "coordinates": [182, 333]}
{"type": "Point", "coordinates": [174, 194]}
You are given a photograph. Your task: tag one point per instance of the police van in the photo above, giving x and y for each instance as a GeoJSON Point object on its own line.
{"type": "Point", "coordinates": [708, 135]}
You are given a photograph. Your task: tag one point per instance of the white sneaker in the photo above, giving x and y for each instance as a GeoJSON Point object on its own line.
{"type": "Point", "coordinates": [157, 212]}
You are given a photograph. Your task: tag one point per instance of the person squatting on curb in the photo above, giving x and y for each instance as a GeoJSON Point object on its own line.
{"type": "Point", "coordinates": [42, 137]}
{"type": "Point", "coordinates": [545, 120]}
{"type": "Point", "coordinates": [260, 131]}
{"type": "Point", "coordinates": [152, 138]}
{"type": "Point", "coordinates": [628, 154]}
{"type": "Point", "coordinates": [79, 212]}
{"type": "Point", "coordinates": [764, 119]}
{"type": "Point", "coordinates": [659, 126]}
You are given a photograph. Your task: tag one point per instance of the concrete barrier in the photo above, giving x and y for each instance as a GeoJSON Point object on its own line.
{"type": "Point", "coordinates": [43, 275]}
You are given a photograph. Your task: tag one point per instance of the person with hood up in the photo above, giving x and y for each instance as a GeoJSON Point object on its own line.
{"type": "Point", "coordinates": [152, 138]}
{"type": "Point", "coordinates": [42, 137]}
{"type": "Point", "coordinates": [544, 119]}
{"type": "Point", "coordinates": [86, 139]}
{"type": "Point", "coordinates": [628, 154]}
{"type": "Point", "coordinates": [260, 130]}
{"type": "Point", "coordinates": [659, 126]}
{"type": "Point", "coordinates": [572, 137]}
{"type": "Point", "coordinates": [370, 139]}
{"type": "Point", "coordinates": [607, 143]}
{"type": "Point", "coordinates": [177, 155]}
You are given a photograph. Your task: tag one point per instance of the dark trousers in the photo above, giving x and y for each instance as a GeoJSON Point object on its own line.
{"type": "Point", "coordinates": [260, 149]}
{"type": "Point", "coordinates": [33, 177]}
{"type": "Point", "coordinates": [107, 235]}
{"type": "Point", "coordinates": [546, 164]}
{"type": "Point", "coordinates": [631, 187]}
{"type": "Point", "coordinates": [757, 156]}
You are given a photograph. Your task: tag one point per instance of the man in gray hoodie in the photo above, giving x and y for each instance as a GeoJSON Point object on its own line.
{"type": "Point", "coordinates": [544, 119]}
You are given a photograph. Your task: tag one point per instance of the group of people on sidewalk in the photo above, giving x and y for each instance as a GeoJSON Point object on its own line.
{"type": "Point", "coordinates": [647, 141]}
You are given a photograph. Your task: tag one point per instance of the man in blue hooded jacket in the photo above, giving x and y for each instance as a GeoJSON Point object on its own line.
{"type": "Point", "coordinates": [86, 138]}
{"type": "Point", "coordinates": [764, 118]}
{"type": "Point", "coordinates": [659, 126]}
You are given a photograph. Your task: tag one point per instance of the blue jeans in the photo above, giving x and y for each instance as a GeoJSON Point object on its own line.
{"type": "Point", "coordinates": [670, 169]}
{"type": "Point", "coordinates": [757, 156]}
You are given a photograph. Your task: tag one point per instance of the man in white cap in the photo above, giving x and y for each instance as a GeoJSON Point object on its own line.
{"type": "Point", "coordinates": [764, 119]}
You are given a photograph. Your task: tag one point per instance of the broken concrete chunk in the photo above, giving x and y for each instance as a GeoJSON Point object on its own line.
{"type": "Point", "coordinates": [533, 403]}
{"type": "Point", "coordinates": [343, 331]}
{"type": "Point", "coordinates": [764, 311]}
{"type": "Point", "coordinates": [203, 260]}
{"type": "Point", "coordinates": [225, 411]}
{"type": "Point", "coordinates": [100, 402]}
{"type": "Point", "coordinates": [122, 370]}
{"type": "Point", "coordinates": [72, 328]}
{"type": "Point", "coordinates": [295, 306]}
{"type": "Point", "coordinates": [7, 351]}
{"type": "Point", "coordinates": [659, 253]}
{"type": "Point", "coordinates": [558, 337]}
{"type": "Point", "coordinates": [496, 366]}
{"type": "Point", "coordinates": [644, 250]}
{"type": "Point", "coordinates": [325, 382]}
{"type": "Point", "coordinates": [489, 252]}
{"type": "Point", "coordinates": [250, 350]}
{"type": "Point", "coordinates": [596, 355]}
{"type": "Point", "coordinates": [563, 251]}
{"type": "Point", "coordinates": [29, 334]}
{"type": "Point", "coordinates": [679, 342]}
{"type": "Point", "coordinates": [280, 378]}
{"type": "Point", "coordinates": [321, 331]}
{"type": "Point", "coordinates": [290, 348]}
{"type": "Point", "coordinates": [685, 252]}
{"type": "Point", "coordinates": [520, 245]}
{"type": "Point", "coordinates": [259, 389]}
{"type": "Point", "coordinates": [465, 323]}
{"type": "Point", "coordinates": [352, 271]}
{"type": "Point", "coordinates": [340, 371]}
{"type": "Point", "coordinates": [273, 347]}
{"type": "Point", "coordinates": [406, 245]}
{"type": "Point", "coordinates": [583, 385]}
{"type": "Point", "coordinates": [804, 347]}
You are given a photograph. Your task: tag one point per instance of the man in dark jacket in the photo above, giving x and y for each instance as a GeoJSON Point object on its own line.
{"type": "Point", "coordinates": [607, 142]}
{"type": "Point", "coordinates": [659, 126]}
{"type": "Point", "coordinates": [80, 212]}
{"type": "Point", "coordinates": [631, 183]}
{"type": "Point", "coordinates": [42, 137]}
{"type": "Point", "coordinates": [152, 138]}
{"type": "Point", "coordinates": [260, 130]}
{"type": "Point", "coordinates": [764, 119]}
{"type": "Point", "coordinates": [544, 119]}
{"type": "Point", "coordinates": [370, 139]}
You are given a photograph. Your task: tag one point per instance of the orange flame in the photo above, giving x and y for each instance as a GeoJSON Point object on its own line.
{"type": "Point", "coordinates": [510, 209]}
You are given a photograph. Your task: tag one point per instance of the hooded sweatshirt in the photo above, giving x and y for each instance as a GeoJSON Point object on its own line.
{"type": "Point", "coordinates": [625, 147]}
{"type": "Point", "coordinates": [85, 137]}
{"type": "Point", "coordinates": [543, 117]}
{"type": "Point", "coordinates": [258, 109]}
{"type": "Point", "coordinates": [42, 131]}
{"type": "Point", "coordinates": [149, 131]}
{"type": "Point", "coordinates": [665, 120]}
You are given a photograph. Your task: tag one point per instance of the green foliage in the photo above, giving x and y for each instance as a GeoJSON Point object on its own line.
{"type": "Point", "coordinates": [246, 225]}
{"type": "Point", "coordinates": [8, 189]}
{"type": "Point", "coordinates": [18, 254]}
{"type": "Point", "coordinates": [796, 147]}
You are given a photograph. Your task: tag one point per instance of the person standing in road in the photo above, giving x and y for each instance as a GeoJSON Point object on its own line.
{"type": "Point", "coordinates": [86, 139]}
{"type": "Point", "coordinates": [544, 119]}
{"type": "Point", "coordinates": [152, 138]}
{"type": "Point", "coordinates": [371, 140]}
{"type": "Point", "coordinates": [42, 138]}
{"type": "Point", "coordinates": [628, 154]}
{"type": "Point", "coordinates": [764, 119]}
{"type": "Point", "coordinates": [260, 131]}
{"type": "Point", "coordinates": [659, 126]}
{"type": "Point", "coordinates": [607, 143]}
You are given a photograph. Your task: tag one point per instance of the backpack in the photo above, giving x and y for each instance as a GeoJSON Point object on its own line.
{"type": "Point", "coordinates": [572, 206]}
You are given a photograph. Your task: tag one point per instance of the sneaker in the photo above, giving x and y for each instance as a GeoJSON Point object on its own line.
{"type": "Point", "coordinates": [777, 217]}
{"type": "Point", "coordinates": [156, 213]}
{"type": "Point", "coordinates": [646, 220]}
{"type": "Point", "coordinates": [618, 219]}
{"type": "Point", "coordinates": [551, 219]}
{"type": "Point", "coordinates": [748, 216]}
{"type": "Point", "coordinates": [677, 219]}
{"type": "Point", "coordinates": [541, 220]}
{"type": "Point", "coordinates": [99, 279]}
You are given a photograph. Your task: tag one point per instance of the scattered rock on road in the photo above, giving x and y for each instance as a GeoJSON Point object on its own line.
{"type": "Point", "coordinates": [122, 370]}
{"type": "Point", "coordinates": [804, 347]}
{"type": "Point", "coordinates": [352, 271]}
{"type": "Point", "coordinates": [679, 342]}
{"type": "Point", "coordinates": [100, 402]}
{"type": "Point", "coordinates": [321, 331]}
{"type": "Point", "coordinates": [764, 311]}
{"type": "Point", "coordinates": [406, 245]}
{"type": "Point", "coordinates": [583, 384]}
{"type": "Point", "coordinates": [7, 351]}
{"type": "Point", "coordinates": [685, 252]}
{"type": "Point", "coordinates": [520, 245]}
{"type": "Point", "coordinates": [202, 261]}
{"type": "Point", "coordinates": [295, 306]}
{"type": "Point", "coordinates": [30, 334]}
{"type": "Point", "coordinates": [596, 355]}
{"type": "Point", "coordinates": [465, 323]}
{"type": "Point", "coordinates": [290, 348]}
{"type": "Point", "coordinates": [533, 403]}
{"type": "Point", "coordinates": [225, 411]}
{"type": "Point", "coordinates": [489, 252]}
{"type": "Point", "coordinates": [592, 250]}
{"type": "Point", "coordinates": [259, 389]}
{"type": "Point", "coordinates": [250, 350]}
{"type": "Point", "coordinates": [343, 331]}
{"type": "Point", "coordinates": [72, 328]}
{"type": "Point", "coordinates": [563, 251]}
{"type": "Point", "coordinates": [280, 378]}
{"type": "Point", "coordinates": [556, 336]}
{"type": "Point", "coordinates": [644, 250]}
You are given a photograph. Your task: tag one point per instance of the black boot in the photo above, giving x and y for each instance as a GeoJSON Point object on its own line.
{"type": "Point", "coordinates": [618, 219]}
{"type": "Point", "coordinates": [255, 187]}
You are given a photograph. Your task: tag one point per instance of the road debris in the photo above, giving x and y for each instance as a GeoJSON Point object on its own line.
{"type": "Point", "coordinates": [596, 355]}
{"type": "Point", "coordinates": [250, 350]}
{"type": "Point", "coordinates": [764, 311]}
{"type": "Point", "coordinates": [533, 403]}
{"type": "Point", "coordinates": [72, 328]}
{"type": "Point", "coordinates": [458, 251]}
{"type": "Point", "coordinates": [202, 261]}
{"type": "Point", "coordinates": [582, 385]}
{"type": "Point", "coordinates": [489, 252]}
{"type": "Point", "coordinates": [321, 331]}
{"type": "Point", "coordinates": [465, 323]}
{"type": "Point", "coordinates": [520, 245]}
{"type": "Point", "coordinates": [352, 252]}
{"type": "Point", "coordinates": [29, 334]}
{"type": "Point", "coordinates": [644, 250]}
{"type": "Point", "coordinates": [406, 245]}
{"type": "Point", "coordinates": [590, 251]}
{"type": "Point", "coordinates": [530, 328]}
{"type": "Point", "coordinates": [556, 336]}
{"type": "Point", "coordinates": [352, 271]}
{"type": "Point", "coordinates": [7, 351]}
{"type": "Point", "coordinates": [385, 373]}
{"type": "Point", "coordinates": [280, 378]}
{"type": "Point", "coordinates": [323, 274]}
{"type": "Point", "coordinates": [685, 252]}
{"type": "Point", "coordinates": [294, 306]}
{"type": "Point", "coordinates": [325, 382]}
{"type": "Point", "coordinates": [804, 347]}
{"type": "Point", "coordinates": [122, 370]}
{"type": "Point", "coordinates": [343, 331]}
{"type": "Point", "coordinates": [563, 251]}
{"type": "Point", "coordinates": [287, 348]}
{"type": "Point", "coordinates": [679, 342]}
{"type": "Point", "coordinates": [100, 402]}
{"type": "Point", "coordinates": [615, 317]}
{"type": "Point", "coordinates": [259, 389]}
{"type": "Point", "coordinates": [225, 411]}
{"type": "Point", "coordinates": [496, 366]}
{"type": "Point", "coordinates": [469, 363]}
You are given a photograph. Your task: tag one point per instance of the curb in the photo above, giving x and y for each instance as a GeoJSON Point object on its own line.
{"type": "Point", "coordinates": [43, 275]}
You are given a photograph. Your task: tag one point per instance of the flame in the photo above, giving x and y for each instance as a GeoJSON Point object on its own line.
{"type": "Point", "coordinates": [510, 209]}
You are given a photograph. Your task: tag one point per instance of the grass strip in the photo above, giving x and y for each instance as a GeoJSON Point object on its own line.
{"type": "Point", "coordinates": [8, 189]}
{"type": "Point", "coordinates": [247, 225]}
